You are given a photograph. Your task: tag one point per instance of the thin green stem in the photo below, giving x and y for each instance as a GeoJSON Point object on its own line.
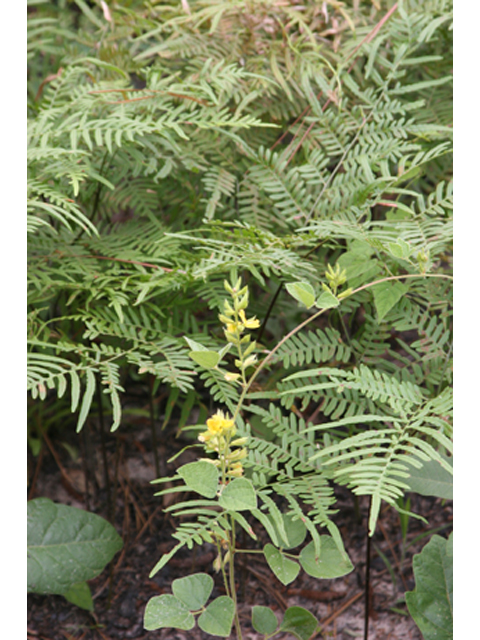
{"type": "Point", "coordinates": [222, 565]}
{"type": "Point", "coordinates": [233, 590]}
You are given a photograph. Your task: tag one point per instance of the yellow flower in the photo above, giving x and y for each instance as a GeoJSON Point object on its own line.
{"type": "Point", "coordinates": [232, 327]}
{"type": "Point", "coordinates": [218, 425]}
{"type": "Point", "coordinates": [231, 377]}
{"type": "Point", "coordinates": [251, 323]}
{"type": "Point", "coordinates": [235, 470]}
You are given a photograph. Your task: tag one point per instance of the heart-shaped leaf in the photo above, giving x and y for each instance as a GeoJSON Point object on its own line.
{"type": "Point", "coordinates": [303, 292]}
{"type": "Point", "coordinates": [167, 611]}
{"type": "Point", "coordinates": [264, 620]}
{"type": "Point", "coordinates": [201, 476]}
{"type": "Point", "coordinates": [299, 622]}
{"type": "Point", "coordinates": [330, 564]}
{"type": "Point", "coordinates": [217, 619]}
{"type": "Point", "coordinates": [239, 495]}
{"type": "Point", "coordinates": [285, 569]}
{"type": "Point", "coordinates": [194, 590]}
{"type": "Point", "coordinates": [327, 300]}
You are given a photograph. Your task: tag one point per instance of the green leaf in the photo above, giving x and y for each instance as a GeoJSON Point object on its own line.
{"type": "Point", "coordinates": [217, 618]}
{"type": "Point", "coordinates": [303, 292]}
{"type": "Point", "coordinates": [201, 476]}
{"type": "Point", "coordinates": [327, 301]}
{"type": "Point", "coordinates": [299, 622]}
{"type": "Point", "coordinates": [264, 620]}
{"type": "Point", "coordinates": [90, 14]}
{"type": "Point", "coordinates": [195, 346]}
{"type": "Point", "coordinates": [167, 611]}
{"type": "Point", "coordinates": [207, 359]}
{"type": "Point", "coordinates": [80, 595]}
{"type": "Point", "coordinates": [358, 263]}
{"type": "Point", "coordinates": [386, 295]}
{"type": "Point", "coordinates": [285, 569]}
{"type": "Point", "coordinates": [194, 590]}
{"type": "Point", "coordinates": [66, 546]}
{"type": "Point", "coordinates": [87, 399]}
{"type": "Point", "coordinates": [330, 564]}
{"type": "Point", "coordinates": [399, 249]}
{"type": "Point", "coordinates": [431, 479]}
{"type": "Point", "coordinates": [431, 603]}
{"type": "Point", "coordinates": [295, 531]}
{"type": "Point", "coordinates": [239, 495]}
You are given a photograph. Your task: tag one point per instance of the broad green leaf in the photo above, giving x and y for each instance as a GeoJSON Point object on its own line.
{"type": "Point", "coordinates": [359, 263]}
{"type": "Point", "coordinates": [194, 590]}
{"type": "Point", "coordinates": [201, 476]}
{"type": "Point", "coordinates": [207, 359]}
{"type": "Point", "coordinates": [80, 595]}
{"type": "Point", "coordinates": [303, 292]}
{"type": "Point", "coordinates": [217, 618]}
{"type": "Point", "coordinates": [386, 295]}
{"type": "Point", "coordinates": [239, 495]}
{"type": "Point", "coordinates": [66, 546]}
{"type": "Point", "coordinates": [295, 531]}
{"type": "Point", "coordinates": [299, 622]}
{"type": "Point", "coordinates": [431, 602]}
{"type": "Point", "coordinates": [399, 249]}
{"type": "Point", "coordinates": [431, 479]}
{"type": "Point", "coordinates": [264, 620]}
{"type": "Point", "coordinates": [330, 564]}
{"type": "Point", "coordinates": [195, 346]}
{"type": "Point", "coordinates": [327, 301]}
{"type": "Point", "coordinates": [167, 611]}
{"type": "Point", "coordinates": [285, 569]}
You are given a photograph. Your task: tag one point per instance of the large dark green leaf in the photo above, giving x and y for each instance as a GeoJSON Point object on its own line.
{"type": "Point", "coordinates": [431, 479]}
{"type": "Point", "coordinates": [66, 546]}
{"type": "Point", "coordinates": [431, 603]}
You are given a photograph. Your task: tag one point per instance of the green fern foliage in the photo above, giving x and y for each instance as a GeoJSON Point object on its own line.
{"type": "Point", "coordinates": [170, 148]}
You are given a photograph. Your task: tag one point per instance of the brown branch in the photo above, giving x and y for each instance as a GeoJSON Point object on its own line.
{"type": "Point", "coordinates": [152, 95]}
{"type": "Point", "coordinates": [142, 264]}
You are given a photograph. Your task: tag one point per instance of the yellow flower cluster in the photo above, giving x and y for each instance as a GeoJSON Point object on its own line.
{"type": "Point", "coordinates": [234, 328]}
{"type": "Point", "coordinates": [235, 320]}
{"type": "Point", "coordinates": [218, 425]}
{"type": "Point", "coordinates": [218, 438]}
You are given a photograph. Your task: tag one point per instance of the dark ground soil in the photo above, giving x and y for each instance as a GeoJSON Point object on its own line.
{"type": "Point", "coordinates": [121, 592]}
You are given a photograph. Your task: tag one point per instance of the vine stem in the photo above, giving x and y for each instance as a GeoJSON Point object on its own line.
{"type": "Point", "coordinates": [317, 315]}
{"type": "Point", "coordinates": [233, 591]}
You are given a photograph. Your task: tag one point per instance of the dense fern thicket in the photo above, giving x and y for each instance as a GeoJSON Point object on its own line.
{"type": "Point", "coordinates": [171, 144]}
